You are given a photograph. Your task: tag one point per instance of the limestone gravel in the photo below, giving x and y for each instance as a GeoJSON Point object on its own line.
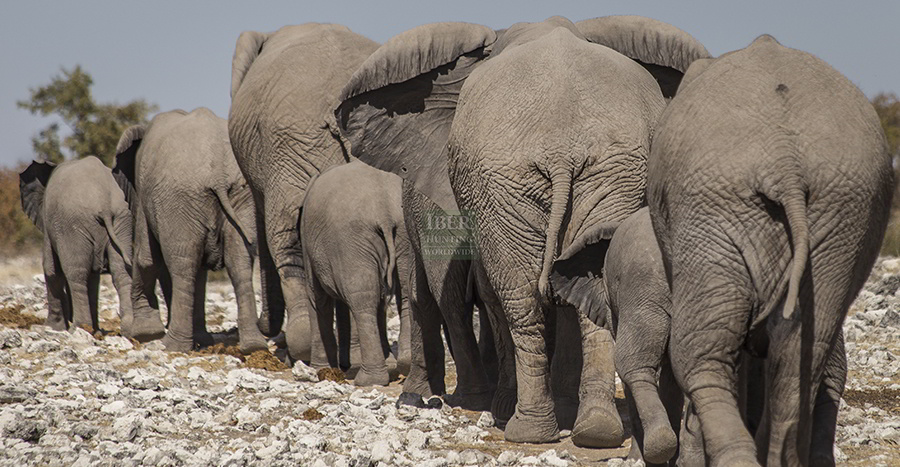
{"type": "Point", "coordinates": [71, 399]}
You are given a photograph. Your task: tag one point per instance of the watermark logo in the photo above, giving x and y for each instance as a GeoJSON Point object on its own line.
{"type": "Point", "coordinates": [449, 235]}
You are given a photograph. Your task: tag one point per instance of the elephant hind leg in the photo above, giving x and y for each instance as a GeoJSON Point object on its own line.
{"type": "Point", "coordinates": [239, 265]}
{"type": "Point", "coordinates": [598, 423]}
{"type": "Point", "coordinates": [640, 350]}
{"type": "Point", "coordinates": [365, 308]}
{"type": "Point", "coordinates": [324, 352]}
{"type": "Point", "coordinates": [708, 330]}
{"type": "Point", "coordinates": [202, 337]}
{"type": "Point", "coordinates": [828, 402]}
{"type": "Point", "coordinates": [55, 281]}
{"type": "Point", "coordinates": [145, 324]}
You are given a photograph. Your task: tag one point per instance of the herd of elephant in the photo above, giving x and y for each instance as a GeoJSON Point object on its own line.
{"type": "Point", "coordinates": [710, 218]}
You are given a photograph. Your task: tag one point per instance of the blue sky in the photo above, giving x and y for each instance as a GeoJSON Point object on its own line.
{"type": "Point", "coordinates": [177, 54]}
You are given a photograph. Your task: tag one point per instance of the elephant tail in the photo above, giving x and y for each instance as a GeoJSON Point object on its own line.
{"type": "Point", "coordinates": [111, 231]}
{"type": "Point", "coordinates": [794, 203]}
{"type": "Point", "coordinates": [561, 187]}
{"type": "Point", "coordinates": [391, 259]}
{"type": "Point", "coordinates": [230, 214]}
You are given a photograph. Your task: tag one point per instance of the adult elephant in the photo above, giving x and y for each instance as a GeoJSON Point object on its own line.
{"type": "Point", "coordinates": [284, 86]}
{"type": "Point", "coordinates": [87, 230]}
{"type": "Point", "coordinates": [769, 190]}
{"type": "Point", "coordinates": [543, 137]}
{"type": "Point", "coordinates": [193, 212]}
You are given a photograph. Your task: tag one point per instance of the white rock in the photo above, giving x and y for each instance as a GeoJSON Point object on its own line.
{"type": "Point", "coordinates": [114, 407]}
{"type": "Point", "coordinates": [416, 439]}
{"type": "Point", "coordinates": [486, 420]}
{"type": "Point", "coordinates": [117, 343]}
{"type": "Point", "coordinates": [381, 452]}
{"type": "Point", "coordinates": [105, 390]}
{"type": "Point", "coordinates": [247, 419]}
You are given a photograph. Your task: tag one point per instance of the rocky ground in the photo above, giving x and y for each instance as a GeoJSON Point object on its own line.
{"type": "Point", "coordinates": [77, 399]}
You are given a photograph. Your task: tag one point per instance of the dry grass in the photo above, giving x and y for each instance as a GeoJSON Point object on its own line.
{"type": "Point", "coordinates": [883, 398]}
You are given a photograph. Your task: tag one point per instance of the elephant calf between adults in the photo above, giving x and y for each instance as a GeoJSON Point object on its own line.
{"type": "Point", "coordinates": [356, 250]}
{"type": "Point", "coordinates": [769, 191]}
{"type": "Point", "coordinates": [87, 230]}
{"type": "Point", "coordinates": [193, 212]}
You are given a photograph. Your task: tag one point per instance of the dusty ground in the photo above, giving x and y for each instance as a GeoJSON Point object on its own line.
{"type": "Point", "coordinates": [71, 399]}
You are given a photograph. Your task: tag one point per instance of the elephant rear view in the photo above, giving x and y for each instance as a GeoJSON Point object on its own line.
{"type": "Point", "coordinates": [284, 86]}
{"type": "Point", "coordinates": [356, 250]}
{"type": "Point", "coordinates": [193, 212]}
{"type": "Point", "coordinates": [87, 230]}
{"type": "Point", "coordinates": [769, 190]}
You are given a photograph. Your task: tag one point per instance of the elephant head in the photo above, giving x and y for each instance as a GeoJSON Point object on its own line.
{"type": "Point", "coordinates": [32, 183]}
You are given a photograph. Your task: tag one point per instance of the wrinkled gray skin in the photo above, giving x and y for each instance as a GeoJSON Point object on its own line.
{"type": "Point", "coordinates": [502, 153]}
{"type": "Point", "coordinates": [87, 230]}
{"type": "Point", "coordinates": [193, 213]}
{"type": "Point", "coordinates": [284, 87]}
{"type": "Point", "coordinates": [445, 290]}
{"type": "Point", "coordinates": [356, 249]}
{"type": "Point", "coordinates": [769, 189]}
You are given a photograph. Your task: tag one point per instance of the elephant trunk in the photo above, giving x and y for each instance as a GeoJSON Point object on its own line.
{"type": "Point", "coordinates": [560, 186]}
{"type": "Point", "coordinates": [110, 229]}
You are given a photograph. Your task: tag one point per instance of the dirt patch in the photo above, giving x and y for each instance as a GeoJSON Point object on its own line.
{"type": "Point", "coordinates": [264, 360]}
{"type": "Point", "coordinates": [222, 349]}
{"type": "Point", "coordinates": [312, 414]}
{"type": "Point", "coordinates": [331, 374]}
{"type": "Point", "coordinates": [885, 399]}
{"type": "Point", "coordinates": [13, 317]}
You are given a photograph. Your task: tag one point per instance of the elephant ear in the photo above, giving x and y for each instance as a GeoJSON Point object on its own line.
{"type": "Point", "coordinates": [695, 70]}
{"type": "Point", "coordinates": [249, 46]}
{"type": "Point", "coordinates": [664, 50]}
{"type": "Point", "coordinates": [126, 153]}
{"type": "Point", "coordinates": [32, 183]}
{"type": "Point", "coordinates": [577, 274]}
{"type": "Point", "coordinates": [397, 108]}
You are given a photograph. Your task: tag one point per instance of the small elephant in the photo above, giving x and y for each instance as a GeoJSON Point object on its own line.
{"type": "Point", "coordinates": [87, 230]}
{"type": "Point", "coordinates": [769, 188]}
{"type": "Point", "coordinates": [193, 212]}
{"type": "Point", "coordinates": [355, 248]}
{"type": "Point", "coordinates": [284, 85]}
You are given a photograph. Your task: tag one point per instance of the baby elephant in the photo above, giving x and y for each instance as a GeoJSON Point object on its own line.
{"type": "Point", "coordinates": [87, 230]}
{"type": "Point", "coordinates": [355, 248]}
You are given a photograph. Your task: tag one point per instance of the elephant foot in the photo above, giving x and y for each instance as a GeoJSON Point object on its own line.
{"type": "Point", "coordinates": [598, 425]}
{"type": "Point", "coordinates": [413, 385]}
{"type": "Point", "coordinates": [412, 399]}
{"type": "Point", "coordinates": [253, 343]}
{"type": "Point", "coordinates": [660, 442]}
{"type": "Point", "coordinates": [177, 345]}
{"type": "Point", "coordinates": [566, 409]}
{"type": "Point", "coordinates": [503, 406]}
{"type": "Point", "coordinates": [297, 335]}
{"type": "Point", "coordinates": [532, 429]}
{"type": "Point", "coordinates": [203, 339]}
{"type": "Point", "coordinates": [146, 329]}
{"type": "Point", "coordinates": [372, 378]}
{"type": "Point", "coordinates": [403, 365]}
{"type": "Point", "coordinates": [478, 402]}
{"type": "Point", "coordinates": [688, 457]}
{"type": "Point", "coordinates": [55, 323]}
{"type": "Point", "coordinates": [736, 458]}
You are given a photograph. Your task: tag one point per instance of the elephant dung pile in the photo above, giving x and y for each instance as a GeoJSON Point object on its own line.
{"type": "Point", "coordinates": [70, 399]}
